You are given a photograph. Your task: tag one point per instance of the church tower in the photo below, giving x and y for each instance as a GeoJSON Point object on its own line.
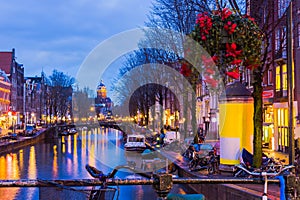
{"type": "Point", "coordinates": [101, 90]}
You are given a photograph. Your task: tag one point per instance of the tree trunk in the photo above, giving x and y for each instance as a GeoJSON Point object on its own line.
{"type": "Point", "coordinates": [153, 113]}
{"type": "Point", "coordinates": [185, 113]}
{"type": "Point", "coordinates": [194, 120]}
{"type": "Point", "coordinates": [161, 103]}
{"type": "Point", "coordinates": [257, 118]}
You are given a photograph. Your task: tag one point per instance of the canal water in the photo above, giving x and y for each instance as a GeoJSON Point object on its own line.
{"type": "Point", "coordinates": [65, 158]}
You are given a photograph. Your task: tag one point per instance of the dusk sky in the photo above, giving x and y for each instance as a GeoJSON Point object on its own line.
{"type": "Point", "coordinates": [55, 34]}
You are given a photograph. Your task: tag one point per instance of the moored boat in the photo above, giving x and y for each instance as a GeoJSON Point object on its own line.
{"type": "Point", "coordinates": [135, 143]}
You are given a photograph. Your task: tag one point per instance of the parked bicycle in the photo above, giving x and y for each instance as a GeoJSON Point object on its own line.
{"type": "Point", "coordinates": [269, 165]}
{"type": "Point", "coordinates": [205, 158]}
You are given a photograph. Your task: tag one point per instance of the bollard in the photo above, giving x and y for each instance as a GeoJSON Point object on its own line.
{"type": "Point", "coordinates": [290, 183]}
{"type": "Point", "coordinates": [162, 184]}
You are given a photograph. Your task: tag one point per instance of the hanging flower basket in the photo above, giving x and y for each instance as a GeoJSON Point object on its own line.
{"type": "Point", "coordinates": [234, 43]}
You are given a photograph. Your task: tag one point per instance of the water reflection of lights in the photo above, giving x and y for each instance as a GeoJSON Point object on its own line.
{"type": "Point", "coordinates": [9, 158]}
{"type": "Point", "coordinates": [54, 166]}
{"type": "Point", "coordinates": [32, 171]}
{"type": "Point", "coordinates": [32, 164]}
{"type": "Point", "coordinates": [75, 155]}
{"type": "Point", "coordinates": [117, 141]}
{"type": "Point", "coordinates": [69, 144]}
{"type": "Point", "coordinates": [140, 192]}
{"type": "Point", "coordinates": [3, 167]}
{"type": "Point", "coordinates": [21, 158]}
{"type": "Point", "coordinates": [63, 145]}
{"type": "Point", "coordinates": [9, 170]}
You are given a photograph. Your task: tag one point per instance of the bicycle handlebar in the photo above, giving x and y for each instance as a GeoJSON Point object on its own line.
{"type": "Point", "coordinates": [265, 173]}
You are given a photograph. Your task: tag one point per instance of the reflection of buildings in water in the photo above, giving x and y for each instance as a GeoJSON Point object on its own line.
{"type": "Point", "coordinates": [9, 170]}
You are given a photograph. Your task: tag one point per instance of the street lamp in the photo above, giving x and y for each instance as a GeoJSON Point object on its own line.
{"type": "Point", "coordinates": [32, 117]}
{"type": "Point", "coordinates": [206, 123]}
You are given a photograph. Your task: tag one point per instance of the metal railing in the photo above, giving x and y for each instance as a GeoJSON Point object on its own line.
{"type": "Point", "coordinates": [162, 183]}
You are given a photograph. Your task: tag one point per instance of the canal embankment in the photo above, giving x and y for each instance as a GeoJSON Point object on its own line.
{"type": "Point", "coordinates": [10, 145]}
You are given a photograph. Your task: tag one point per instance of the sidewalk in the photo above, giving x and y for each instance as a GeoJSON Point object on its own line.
{"type": "Point", "coordinates": [250, 191]}
{"type": "Point", "coordinates": [277, 154]}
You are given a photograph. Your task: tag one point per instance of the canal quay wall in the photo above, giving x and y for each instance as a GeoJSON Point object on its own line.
{"type": "Point", "coordinates": [13, 145]}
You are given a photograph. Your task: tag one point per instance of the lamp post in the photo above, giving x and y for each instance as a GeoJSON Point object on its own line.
{"type": "Point", "coordinates": [32, 118]}
{"type": "Point", "coordinates": [206, 123]}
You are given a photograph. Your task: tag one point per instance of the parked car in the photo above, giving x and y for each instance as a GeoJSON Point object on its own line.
{"type": "Point", "coordinates": [30, 130]}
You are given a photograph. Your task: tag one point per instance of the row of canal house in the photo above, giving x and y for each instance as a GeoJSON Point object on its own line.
{"type": "Point", "coordinates": [275, 82]}
{"type": "Point", "coordinates": [22, 99]}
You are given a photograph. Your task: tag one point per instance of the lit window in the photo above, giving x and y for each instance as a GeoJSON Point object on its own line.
{"type": "Point", "coordinates": [284, 77]}
{"type": "Point", "coordinates": [278, 85]}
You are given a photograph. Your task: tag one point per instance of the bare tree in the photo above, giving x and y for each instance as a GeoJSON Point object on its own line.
{"type": "Point", "coordinates": [59, 94]}
{"type": "Point", "coordinates": [81, 104]}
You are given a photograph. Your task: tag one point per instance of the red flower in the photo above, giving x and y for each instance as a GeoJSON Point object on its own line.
{"type": "Point", "coordinates": [250, 18]}
{"type": "Point", "coordinates": [185, 70]}
{"type": "Point", "coordinates": [205, 24]}
{"type": "Point", "coordinates": [215, 58]}
{"type": "Point", "coordinates": [232, 28]}
{"type": "Point", "coordinates": [225, 13]}
{"type": "Point", "coordinates": [251, 64]}
{"type": "Point", "coordinates": [236, 62]}
{"type": "Point", "coordinates": [207, 60]}
{"type": "Point", "coordinates": [231, 50]}
{"type": "Point", "coordinates": [211, 81]}
{"type": "Point", "coordinates": [209, 71]}
{"type": "Point", "coordinates": [235, 73]}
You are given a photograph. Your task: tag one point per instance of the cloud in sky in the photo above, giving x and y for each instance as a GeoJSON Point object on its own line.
{"type": "Point", "coordinates": [55, 34]}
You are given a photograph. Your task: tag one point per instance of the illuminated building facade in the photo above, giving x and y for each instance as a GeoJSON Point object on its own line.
{"type": "Point", "coordinates": [275, 81]}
